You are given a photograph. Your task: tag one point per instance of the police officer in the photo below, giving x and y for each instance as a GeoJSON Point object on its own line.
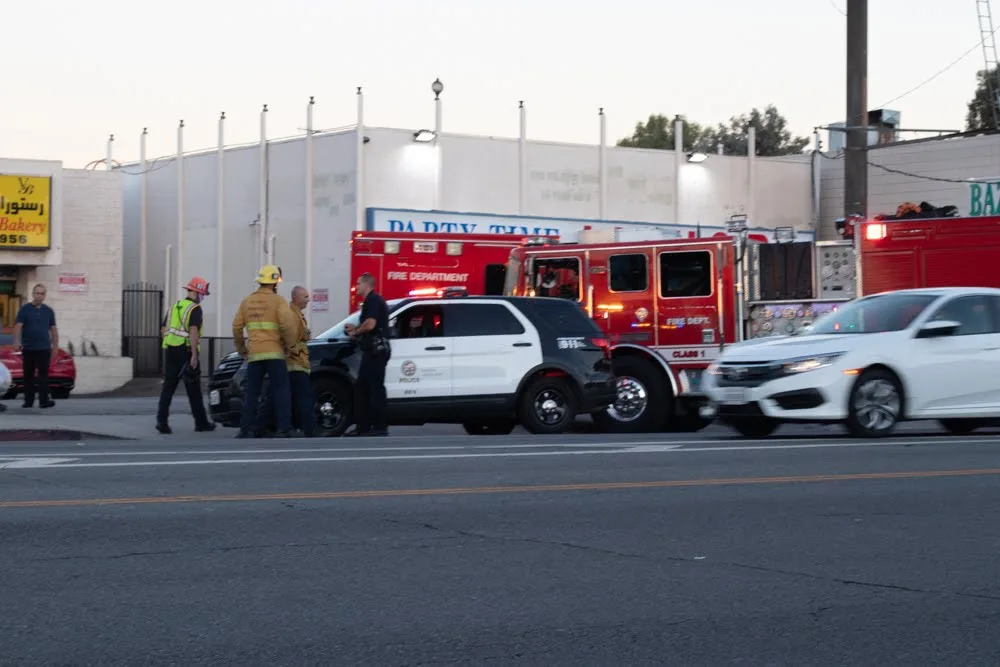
{"type": "Point", "coordinates": [181, 332]}
{"type": "Point", "coordinates": [271, 331]}
{"type": "Point", "coordinates": [372, 336]}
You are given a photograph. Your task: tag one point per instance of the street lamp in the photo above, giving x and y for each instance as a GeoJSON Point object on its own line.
{"type": "Point", "coordinates": [695, 158]}
{"type": "Point", "coordinates": [424, 136]}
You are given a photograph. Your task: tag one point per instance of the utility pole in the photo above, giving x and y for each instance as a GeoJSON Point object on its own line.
{"type": "Point", "coordinates": [856, 152]}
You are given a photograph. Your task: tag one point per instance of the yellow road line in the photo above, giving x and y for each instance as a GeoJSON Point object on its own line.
{"type": "Point", "coordinates": [540, 488]}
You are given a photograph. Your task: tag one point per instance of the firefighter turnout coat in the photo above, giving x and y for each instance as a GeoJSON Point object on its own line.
{"type": "Point", "coordinates": [271, 326]}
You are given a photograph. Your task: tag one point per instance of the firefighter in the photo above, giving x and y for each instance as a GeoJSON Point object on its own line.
{"type": "Point", "coordinates": [181, 333]}
{"type": "Point", "coordinates": [271, 333]}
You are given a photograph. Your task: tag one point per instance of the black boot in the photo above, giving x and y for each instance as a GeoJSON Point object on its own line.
{"type": "Point", "coordinates": [163, 428]}
{"type": "Point", "coordinates": [207, 427]}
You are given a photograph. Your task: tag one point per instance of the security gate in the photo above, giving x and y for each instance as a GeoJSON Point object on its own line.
{"type": "Point", "coordinates": [142, 314]}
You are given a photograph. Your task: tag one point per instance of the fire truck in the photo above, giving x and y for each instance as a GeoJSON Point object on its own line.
{"type": "Point", "coordinates": [420, 264]}
{"type": "Point", "coordinates": [670, 306]}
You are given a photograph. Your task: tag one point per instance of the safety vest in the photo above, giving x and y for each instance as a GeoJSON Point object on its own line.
{"type": "Point", "coordinates": [178, 329]}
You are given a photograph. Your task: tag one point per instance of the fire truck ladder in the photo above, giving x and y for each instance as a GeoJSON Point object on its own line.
{"type": "Point", "coordinates": [990, 57]}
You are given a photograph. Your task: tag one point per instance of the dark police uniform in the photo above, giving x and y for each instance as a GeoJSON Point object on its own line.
{"type": "Point", "coordinates": [370, 401]}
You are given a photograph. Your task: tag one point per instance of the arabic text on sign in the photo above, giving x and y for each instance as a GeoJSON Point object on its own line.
{"type": "Point", "coordinates": [25, 213]}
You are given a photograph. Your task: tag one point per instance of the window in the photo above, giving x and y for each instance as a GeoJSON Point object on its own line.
{"type": "Point", "coordinates": [425, 321]}
{"type": "Point", "coordinates": [494, 278]}
{"type": "Point", "coordinates": [685, 274]}
{"type": "Point", "coordinates": [481, 319]}
{"type": "Point", "coordinates": [563, 319]}
{"type": "Point", "coordinates": [337, 330]}
{"type": "Point", "coordinates": [973, 313]}
{"type": "Point", "coordinates": [874, 314]}
{"type": "Point", "coordinates": [557, 277]}
{"type": "Point", "coordinates": [628, 273]}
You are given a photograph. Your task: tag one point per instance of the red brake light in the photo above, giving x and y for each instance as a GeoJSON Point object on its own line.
{"type": "Point", "coordinates": [604, 344]}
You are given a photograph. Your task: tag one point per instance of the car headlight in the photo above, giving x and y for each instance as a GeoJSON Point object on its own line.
{"type": "Point", "coordinates": [810, 363]}
{"type": "Point", "coordinates": [713, 368]}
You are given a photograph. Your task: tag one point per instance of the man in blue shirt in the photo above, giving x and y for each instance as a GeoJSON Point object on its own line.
{"type": "Point", "coordinates": [35, 337]}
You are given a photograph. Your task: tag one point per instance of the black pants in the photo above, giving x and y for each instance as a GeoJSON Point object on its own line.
{"type": "Point", "coordinates": [369, 402]}
{"type": "Point", "coordinates": [174, 359]}
{"type": "Point", "coordinates": [36, 362]}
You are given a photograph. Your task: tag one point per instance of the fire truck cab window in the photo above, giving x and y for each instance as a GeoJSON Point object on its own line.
{"type": "Point", "coordinates": [481, 319]}
{"type": "Point", "coordinates": [628, 273]}
{"type": "Point", "coordinates": [557, 278]}
{"type": "Point", "coordinates": [685, 274]}
{"type": "Point", "coordinates": [418, 322]}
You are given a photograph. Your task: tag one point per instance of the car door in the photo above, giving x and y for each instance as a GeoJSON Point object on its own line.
{"type": "Point", "coordinates": [958, 374]}
{"type": "Point", "coordinates": [495, 346]}
{"type": "Point", "coordinates": [420, 366]}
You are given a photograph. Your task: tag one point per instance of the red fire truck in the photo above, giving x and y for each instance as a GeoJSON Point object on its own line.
{"type": "Point", "coordinates": [669, 307]}
{"type": "Point", "coordinates": [413, 263]}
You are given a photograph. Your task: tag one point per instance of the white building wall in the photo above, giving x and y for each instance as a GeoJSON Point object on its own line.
{"type": "Point", "coordinates": [91, 240]}
{"type": "Point", "coordinates": [477, 175]}
{"type": "Point", "coordinates": [937, 172]}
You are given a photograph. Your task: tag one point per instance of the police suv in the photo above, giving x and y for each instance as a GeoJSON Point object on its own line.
{"type": "Point", "coordinates": [488, 363]}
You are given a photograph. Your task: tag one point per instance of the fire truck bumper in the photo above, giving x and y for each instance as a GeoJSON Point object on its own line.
{"type": "Point", "coordinates": [816, 396]}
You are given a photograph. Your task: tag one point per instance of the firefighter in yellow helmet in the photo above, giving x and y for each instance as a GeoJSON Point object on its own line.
{"type": "Point", "coordinates": [271, 330]}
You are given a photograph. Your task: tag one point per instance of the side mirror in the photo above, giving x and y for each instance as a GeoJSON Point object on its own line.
{"type": "Point", "coordinates": [938, 329]}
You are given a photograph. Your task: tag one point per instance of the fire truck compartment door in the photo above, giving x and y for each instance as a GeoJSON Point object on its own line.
{"type": "Point", "coordinates": [421, 361]}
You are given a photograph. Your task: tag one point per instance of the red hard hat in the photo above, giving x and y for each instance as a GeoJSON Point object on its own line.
{"type": "Point", "coordinates": [198, 284]}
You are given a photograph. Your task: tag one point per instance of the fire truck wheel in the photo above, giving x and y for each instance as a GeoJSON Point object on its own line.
{"type": "Point", "coordinates": [547, 406]}
{"type": "Point", "coordinates": [334, 404]}
{"type": "Point", "coordinates": [491, 427]}
{"type": "Point", "coordinates": [753, 427]}
{"type": "Point", "coordinates": [875, 405]}
{"type": "Point", "coordinates": [644, 399]}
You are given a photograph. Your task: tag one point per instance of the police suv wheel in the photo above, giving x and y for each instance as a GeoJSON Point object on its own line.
{"type": "Point", "coordinates": [753, 427]}
{"type": "Point", "coordinates": [334, 406]}
{"type": "Point", "coordinates": [547, 406]}
{"type": "Point", "coordinates": [643, 402]}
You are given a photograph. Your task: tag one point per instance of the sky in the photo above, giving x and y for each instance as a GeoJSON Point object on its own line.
{"type": "Point", "coordinates": [76, 72]}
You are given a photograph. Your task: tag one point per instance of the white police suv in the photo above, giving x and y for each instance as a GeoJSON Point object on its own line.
{"type": "Point", "coordinates": [876, 361]}
{"type": "Point", "coordinates": [488, 363]}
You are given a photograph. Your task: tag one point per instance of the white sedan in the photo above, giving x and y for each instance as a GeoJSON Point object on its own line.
{"type": "Point", "coordinates": [876, 361]}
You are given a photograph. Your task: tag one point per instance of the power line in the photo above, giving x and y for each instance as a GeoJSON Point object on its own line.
{"type": "Point", "coordinates": [910, 174]}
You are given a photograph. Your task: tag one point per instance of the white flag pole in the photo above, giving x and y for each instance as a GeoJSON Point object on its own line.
{"type": "Point", "coordinates": [310, 218]}
{"type": "Point", "coordinates": [220, 224]}
{"type": "Point", "coordinates": [180, 205]}
{"type": "Point", "coordinates": [522, 159]}
{"type": "Point", "coordinates": [262, 225]}
{"type": "Point", "coordinates": [359, 222]}
{"type": "Point", "coordinates": [143, 211]}
{"type": "Point", "coordinates": [602, 167]}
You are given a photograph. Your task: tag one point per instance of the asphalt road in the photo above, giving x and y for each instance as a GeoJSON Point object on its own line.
{"type": "Point", "coordinates": [570, 550]}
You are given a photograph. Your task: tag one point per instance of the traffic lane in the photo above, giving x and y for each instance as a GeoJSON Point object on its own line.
{"type": "Point", "coordinates": [867, 572]}
{"type": "Point", "coordinates": [64, 474]}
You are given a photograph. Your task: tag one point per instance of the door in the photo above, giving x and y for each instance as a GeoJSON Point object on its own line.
{"type": "Point", "coordinates": [6, 315]}
{"type": "Point", "coordinates": [959, 373]}
{"type": "Point", "coordinates": [624, 302]}
{"type": "Point", "coordinates": [494, 347]}
{"type": "Point", "coordinates": [420, 366]}
{"type": "Point", "coordinates": [687, 317]}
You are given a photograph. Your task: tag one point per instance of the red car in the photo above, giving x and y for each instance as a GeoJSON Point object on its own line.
{"type": "Point", "coordinates": [62, 370]}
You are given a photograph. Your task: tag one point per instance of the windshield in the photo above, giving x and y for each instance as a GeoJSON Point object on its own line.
{"type": "Point", "coordinates": [337, 330]}
{"type": "Point", "coordinates": [874, 314]}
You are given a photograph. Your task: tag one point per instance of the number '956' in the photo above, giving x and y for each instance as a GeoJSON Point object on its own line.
{"type": "Point", "coordinates": [13, 239]}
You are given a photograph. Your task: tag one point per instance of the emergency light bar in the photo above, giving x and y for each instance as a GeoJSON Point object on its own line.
{"type": "Point", "coordinates": [445, 292]}
{"type": "Point", "coordinates": [875, 231]}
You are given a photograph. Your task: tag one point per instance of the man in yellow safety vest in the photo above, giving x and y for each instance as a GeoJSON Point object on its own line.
{"type": "Point", "coordinates": [271, 330]}
{"type": "Point", "coordinates": [181, 333]}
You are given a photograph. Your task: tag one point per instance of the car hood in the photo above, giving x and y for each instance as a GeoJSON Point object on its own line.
{"type": "Point", "coordinates": [791, 347]}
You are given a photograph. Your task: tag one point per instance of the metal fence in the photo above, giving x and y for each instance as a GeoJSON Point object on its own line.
{"type": "Point", "coordinates": [142, 313]}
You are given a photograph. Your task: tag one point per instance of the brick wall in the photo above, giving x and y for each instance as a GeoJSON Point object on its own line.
{"type": "Point", "coordinates": [92, 244]}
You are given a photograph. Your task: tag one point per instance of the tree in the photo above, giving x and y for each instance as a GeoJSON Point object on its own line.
{"type": "Point", "coordinates": [980, 114]}
{"type": "Point", "coordinates": [773, 135]}
{"type": "Point", "coordinates": [658, 132]}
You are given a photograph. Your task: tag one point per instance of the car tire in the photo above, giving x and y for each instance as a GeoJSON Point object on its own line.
{"type": "Point", "coordinates": [961, 426]}
{"type": "Point", "coordinates": [644, 399]}
{"type": "Point", "coordinates": [875, 404]}
{"type": "Point", "coordinates": [547, 406]}
{"type": "Point", "coordinates": [490, 427]}
{"type": "Point", "coordinates": [334, 406]}
{"type": "Point", "coordinates": [686, 424]}
{"type": "Point", "coordinates": [753, 427]}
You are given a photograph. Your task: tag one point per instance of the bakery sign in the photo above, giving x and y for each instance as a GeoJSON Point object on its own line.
{"type": "Point", "coordinates": [25, 212]}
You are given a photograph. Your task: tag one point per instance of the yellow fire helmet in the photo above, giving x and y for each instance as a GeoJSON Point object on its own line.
{"type": "Point", "coordinates": [269, 275]}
